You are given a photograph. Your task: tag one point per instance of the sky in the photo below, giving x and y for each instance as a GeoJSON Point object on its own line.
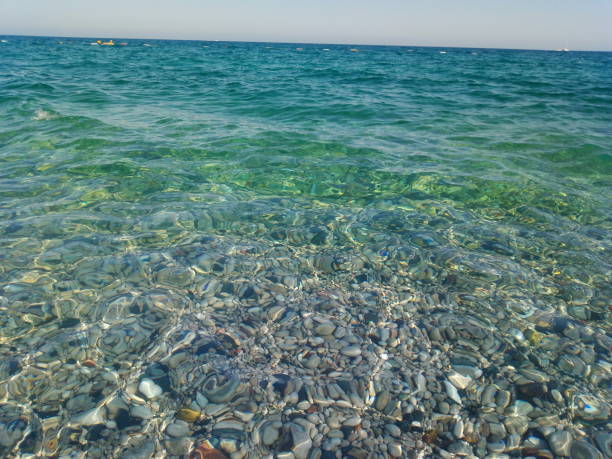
{"type": "Point", "coordinates": [532, 24]}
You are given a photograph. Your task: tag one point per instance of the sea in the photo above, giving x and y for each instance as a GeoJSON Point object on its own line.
{"type": "Point", "coordinates": [224, 249]}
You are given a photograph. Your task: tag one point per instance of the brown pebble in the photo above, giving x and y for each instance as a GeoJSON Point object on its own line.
{"type": "Point", "coordinates": [430, 436]}
{"type": "Point", "coordinates": [472, 437]}
{"type": "Point", "coordinates": [187, 415]}
{"type": "Point", "coordinates": [206, 451]}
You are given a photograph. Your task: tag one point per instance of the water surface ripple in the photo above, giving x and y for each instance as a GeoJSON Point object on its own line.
{"type": "Point", "coordinates": [328, 233]}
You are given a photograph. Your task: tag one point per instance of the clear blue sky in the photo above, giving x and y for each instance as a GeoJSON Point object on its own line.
{"type": "Point", "coordinates": [545, 24]}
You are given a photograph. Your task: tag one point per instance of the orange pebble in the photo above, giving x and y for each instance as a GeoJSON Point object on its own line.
{"type": "Point", "coordinates": [206, 451]}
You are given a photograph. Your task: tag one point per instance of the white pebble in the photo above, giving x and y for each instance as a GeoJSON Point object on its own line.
{"type": "Point", "coordinates": [458, 429]}
{"type": "Point", "coordinates": [149, 389]}
{"type": "Point", "coordinates": [395, 450]}
{"type": "Point", "coordinates": [458, 380]}
{"type": "Point", "coordinates": [91, 417]}
{"type": "Point", "coordinates": [141, 411]}
{"type": "Point", "coordinates": [452, 392]}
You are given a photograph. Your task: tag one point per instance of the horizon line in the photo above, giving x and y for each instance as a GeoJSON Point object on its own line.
{"type": "Point", "coordinates": [310, 43]}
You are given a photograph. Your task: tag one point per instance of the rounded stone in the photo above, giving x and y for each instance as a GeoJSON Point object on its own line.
{"type": "Point", "coordinates": [382, 399]}
{"type": "Point", "coordinates": [583, 450]}
{"type": "Point", "coordinates": [535, 442]}
{"type": "Point", "coordinates": [458, 429]}
{"type": "Point", "coordinates": [497, 446]}
{"type": "Point", "coordinates": [313, 362]}
{"type": "Point", "coordinates": [560, 442]}
{"type": "Point", "coordinates": [395, 450]}
{"type": "Point", "coordinates": [90, 417]}
{"type": "Point", "coordinates": [468, 371]}
{"type": "Point", "coordinates": [352, 421]}
{"type": "Point", "coordinates": [393, 430]}
{"type": "Point", "coordinates": [141, 411]}
{"type": "Point", "coordinates": [459, 381]}
{"type": "Point", "coordinates": [269, 435]}
{"type": "Point", "coordinates": [604, 443]}
{"type": "Point", "coordinates": [178, 429]}
{"type": "Point", "coordinates": [520, 408]}
{"type": "Point", "coordinates": [351, 351]}
{"type": "Point", "coordinates": [228, 445]}
{"type": "Point", "coordinates": [301, 441]}
{"type": "Point", "coordinates": [460, 448]}
{"type": "Point", "coordinates": [149, 389]}
{"type": "Point", "coordinates": [556, 395]}
{"type": "Point", "coordinates": [325, 329]}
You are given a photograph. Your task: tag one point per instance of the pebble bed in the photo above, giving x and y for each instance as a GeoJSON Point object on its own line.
{"type": "Point", "coordinates": [220, 348]}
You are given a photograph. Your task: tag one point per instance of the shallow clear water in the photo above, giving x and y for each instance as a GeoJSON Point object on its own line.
{"type": "Point", "coordinates": [153, 197]}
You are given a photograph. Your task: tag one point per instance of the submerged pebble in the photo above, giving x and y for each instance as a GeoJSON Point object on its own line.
{"type": "Point", "coordinates": [149, 389]}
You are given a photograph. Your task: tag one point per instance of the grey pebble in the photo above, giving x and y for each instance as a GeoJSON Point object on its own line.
{"type": "Point", "coordinates": [458, 429]}
{"type": "Point", "coordinates": [325, 329]}
{"type": "Point", "coordinates": [469, 371]}
{"type": "Point", "coordinates": [556, 395]}
{"type": "Point", "coordinates": [394, 430]}
{"type": "Point", "coordinates": [382, 399]}
{"type": "Point", "coordinates": [313, 362]}
{"type": "Point", "coordinates": [141, 411]}
{"type": "Point", "coordinates": [301, 442]}
{"type": "Point", "coordinates": [460, 448]}
{"type": "Point", "coordinates": [519, 408]}
{"type": "Point", "coordinates": [270, 434]}
{"type": "Point", "coordinates": [560, 442]}
{"type": "Point", "coordinates": [352, 421]}
{"type": "Point", "coordinates": [497, 446]}
{"type": "Point", "coordinates": [604, 442]}
{"type": "Point", "coordinates": [582, 450]}
{"type": "Point", "coordinates": [534, 442]}
{"type": "Point", "coordinates": [178, 429]}
{"type": "Point", "coordinates": [351, 351]}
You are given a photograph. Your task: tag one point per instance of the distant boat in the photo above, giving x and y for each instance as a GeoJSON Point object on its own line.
{"type": "Point", "coordinates": [442, 52]}
{"type": "Point", "coordinates": [354, 50]}
{"type": "Point", "coordinates": [106, 43]}
{"type": "Point", "coordinates": [146, 44]}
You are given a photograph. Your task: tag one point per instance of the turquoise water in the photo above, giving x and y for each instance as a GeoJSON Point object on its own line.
{"type": "Point", "coordinates": [479, 178]}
